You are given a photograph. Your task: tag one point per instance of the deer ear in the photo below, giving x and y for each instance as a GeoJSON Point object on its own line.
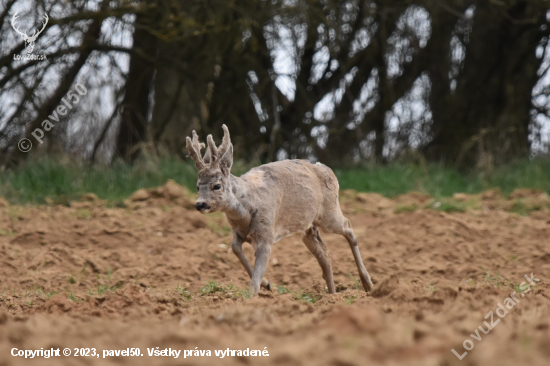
{"type": "Point", "coordinates": [226, 161]}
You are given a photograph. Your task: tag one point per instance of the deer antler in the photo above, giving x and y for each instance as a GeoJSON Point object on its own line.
{"type": "Point", "coordinates": [194, 147]}
{"type": "Point", "coordinates": [213, 154]}
{"type": "Point", "coordinates": [13, 19]}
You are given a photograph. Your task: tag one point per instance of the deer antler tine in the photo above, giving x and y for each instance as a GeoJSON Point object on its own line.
{"type": "Point", "coordinates": [213, 150]}
{"type": "Point", "coordinates": [212, 145]}
{"type": "Point", "coordinates": [194, 147]}
{"type": "Point", "coordinates": [226, 142]}
{"type": "Point", "coordinates": [198, 145]}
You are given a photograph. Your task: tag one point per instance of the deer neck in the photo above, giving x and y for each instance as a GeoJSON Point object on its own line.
{"type": "Point", "coordinates": [236, 210]}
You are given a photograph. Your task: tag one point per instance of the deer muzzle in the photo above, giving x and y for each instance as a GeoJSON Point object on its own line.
{"type": "Point", "coordinates": [201, 206]}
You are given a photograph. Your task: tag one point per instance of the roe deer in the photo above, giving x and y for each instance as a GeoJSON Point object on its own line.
{"type": "Point", "coordinates": [271, 202]}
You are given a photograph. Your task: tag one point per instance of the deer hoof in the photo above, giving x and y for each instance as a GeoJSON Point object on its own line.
{"type": "Point", "coordinates": [265, 284]}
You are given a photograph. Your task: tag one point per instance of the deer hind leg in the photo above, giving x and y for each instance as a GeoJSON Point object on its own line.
{"type": "Point", "coordinates": [312, 240]}
{"type": "Point", "coordinates": [363, 274]}
{"type": "Point", "coordinates": [340, 225]}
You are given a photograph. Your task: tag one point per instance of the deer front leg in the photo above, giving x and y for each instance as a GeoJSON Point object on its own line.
{"type": "Point", "coordinates": [237, 247]}
{"type": "Point", "coordinates": [263, 251]}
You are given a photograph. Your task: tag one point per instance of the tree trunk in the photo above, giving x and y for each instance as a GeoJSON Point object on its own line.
{"type": "Point", "coordinates": [485, 120]}
{"type": "Point", "coordinates": [135, 107]}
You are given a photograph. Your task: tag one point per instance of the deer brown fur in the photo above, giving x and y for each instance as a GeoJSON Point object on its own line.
{"type": "Point", "coordinates": [271, 202]}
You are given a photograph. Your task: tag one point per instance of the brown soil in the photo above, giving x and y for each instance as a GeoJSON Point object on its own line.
{"type": "Point", "coordinates": [90, 276]}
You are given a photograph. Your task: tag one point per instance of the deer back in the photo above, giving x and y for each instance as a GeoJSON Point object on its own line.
{"type": "Point", "coordinates": [292, 194]}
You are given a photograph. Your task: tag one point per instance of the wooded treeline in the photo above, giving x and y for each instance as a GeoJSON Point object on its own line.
{"type": "Point", "coordinates": [458, 81]}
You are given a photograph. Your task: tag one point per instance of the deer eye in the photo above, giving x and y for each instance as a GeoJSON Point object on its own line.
{"type": "Point", "coordinates": [217, 187]}
{"type": "Point", "coordinates": [198, 189]}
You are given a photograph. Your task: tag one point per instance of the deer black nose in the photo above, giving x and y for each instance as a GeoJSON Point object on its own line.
{"type": "Point", "coordinates": [201, 205]}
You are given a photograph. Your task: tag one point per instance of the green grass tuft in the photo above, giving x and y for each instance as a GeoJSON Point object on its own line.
{"type": "Point", "coordinates": [405, 208]}
{"type": "Point", "coordinates": [186, 295]}
{"type": "Point", "coordinates": [70, 296]}
{"type": "Point", "coordinates": [211, 287]}
{"type": "Point", "coordinates": [230, 290]}
{"type": "Point", "coordinates": [101, 289]}
{"type": "Point", "coordinates": [48, 294]}
{"type": "Point", "coordinates": [307, 297]}
{"type": "Point", "coordinates": [449, 207]}
{"type": "Point", "coordinates": [355, 281]}
{"type": "Point", "coordinates": [71, 280]}
{"type": "Point", "coordinates": [282, 290]}
{"type": "Point", "coordinates": [349, 300]}
{"type": "Point", "coordinates": [523, 209]}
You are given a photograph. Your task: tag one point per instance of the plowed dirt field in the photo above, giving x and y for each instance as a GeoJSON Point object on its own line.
{"type": "Point", "coordinates": [156, 273]}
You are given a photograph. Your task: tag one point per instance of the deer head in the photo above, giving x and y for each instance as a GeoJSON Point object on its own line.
{"type": "Point", "coordinates": [214, 171]}
{"type": "Point", "coordinates": [29, 40]}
